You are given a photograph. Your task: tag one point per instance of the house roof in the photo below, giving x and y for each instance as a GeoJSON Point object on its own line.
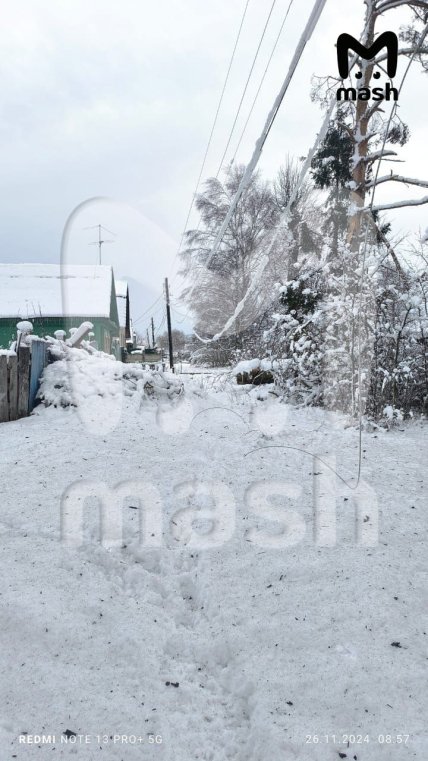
{"type": "Point", "coordinates": [51, 290]}
{"type": "Point", "coordinates": [121, 288]}
{"type": "Point", "coordinates": [121, 298]}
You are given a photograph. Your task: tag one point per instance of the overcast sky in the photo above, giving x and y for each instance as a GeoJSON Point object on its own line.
{"type": "Point", "coordinates": [116, 99]}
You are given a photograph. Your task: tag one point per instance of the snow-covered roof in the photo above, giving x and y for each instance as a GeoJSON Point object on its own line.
{"type": "Point", "coordinates": [49, 290]}
{"type": "Point", "coordinates": [121, 288]}
{"type": "Point", "coordinates": [121, 295]}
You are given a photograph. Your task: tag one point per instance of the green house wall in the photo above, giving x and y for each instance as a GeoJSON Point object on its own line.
{"type": "Point", "coordinates": [46, 326]}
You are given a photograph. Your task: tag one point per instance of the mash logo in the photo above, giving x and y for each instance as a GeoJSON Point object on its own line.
{"type": "Point", "coordinates": [345, 43]}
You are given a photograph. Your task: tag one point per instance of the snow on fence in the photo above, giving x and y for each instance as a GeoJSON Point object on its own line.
{"type": "Point", "coordinates": [14, 384]}
{"type": "Point", "coordinates": [20, 370]}
{"type": "Point", "coordinates": [22, 366]}
{"type": "Point", "coordinates": [76, 374]}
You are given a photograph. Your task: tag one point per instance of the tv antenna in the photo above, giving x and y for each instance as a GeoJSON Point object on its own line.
{"type": "Point", "coordinates": [100, 242]}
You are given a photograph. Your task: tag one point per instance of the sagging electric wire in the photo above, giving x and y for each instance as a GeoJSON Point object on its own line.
{"type": "Point", "coordinates": [262, 80]}
{"type": "Point", "coordinates": [149, 309]}
{"type": "Point", "coordinates": [232, 58]}
{"type": "Point", "coordinates": [238, 111]}
{"type": "Point", "coordinates": [305, 36]}
{"type": "Point", "coordinates": [245, 180]}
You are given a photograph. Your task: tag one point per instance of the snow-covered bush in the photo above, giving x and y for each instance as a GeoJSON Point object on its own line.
{"type": "Point", "coordinates": [79, 376]}
{"type": "Point", "coordinates": [400, 373]}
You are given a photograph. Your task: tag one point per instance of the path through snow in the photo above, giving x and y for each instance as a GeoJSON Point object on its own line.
{"type": "Point", "coordinates": [267, 645]}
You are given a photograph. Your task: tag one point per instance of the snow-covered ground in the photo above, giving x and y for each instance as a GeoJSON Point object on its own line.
{"type": "Point", "coordinates": [246, 642]}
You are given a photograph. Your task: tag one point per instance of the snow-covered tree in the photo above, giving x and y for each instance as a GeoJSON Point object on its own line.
{"type": "Point", "coordinates": [217, 283]}
{"type": "Point", "coordinates": [399, 378]}
{"type": "Point", "coordinates": [372, 133]}
{"type": "Point", "coordinates": [349, 313]}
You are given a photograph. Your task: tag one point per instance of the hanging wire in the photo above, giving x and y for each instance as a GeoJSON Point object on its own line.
{"type": "Point", "coordinates": [306, 34]}
{"type": "Point", "coordinates": [238, 111]}
{"type": "Point", "coordinates": [232, 58]}
{"type": "Point", "coordinates": [149, 309]}
{"type": "Point", "coordinates": [262, 80]}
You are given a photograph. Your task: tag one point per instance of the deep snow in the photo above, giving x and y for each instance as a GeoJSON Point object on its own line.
{"type": "Point", "coordinates": [267, 644]}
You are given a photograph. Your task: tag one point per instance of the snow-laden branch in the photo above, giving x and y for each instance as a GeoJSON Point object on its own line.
{"type": "Point", "coordinates": [403, 51]}
{"type": "Point", "coordinates": [283, 222]}
{"type": "Point", "coordinates": [387, 5]}
{"type": "Point", "coordinates": [398, 204]}
{"type": "Point", "coordinates": [399, 178]}
{"type": "Point", "coordinates": [377, 155]}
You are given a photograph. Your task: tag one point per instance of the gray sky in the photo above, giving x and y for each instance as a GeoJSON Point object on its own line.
{"type": "Point", "coordinates": [116, 99]}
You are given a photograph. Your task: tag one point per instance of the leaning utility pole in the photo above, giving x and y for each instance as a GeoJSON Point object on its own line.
{"type": "Point", "coordinates": [168, 320]}
{"type": "Point", "coordinates": [153, 333]}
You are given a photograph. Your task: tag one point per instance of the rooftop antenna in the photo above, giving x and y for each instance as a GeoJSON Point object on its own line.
{"type": "Point", "coordinates": [100, 242]}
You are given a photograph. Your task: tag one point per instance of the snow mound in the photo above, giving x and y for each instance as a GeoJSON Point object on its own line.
{"type": "Point", "coordinates": [78, 377]}
{"type": "Point", "coordinates": [249, 365]}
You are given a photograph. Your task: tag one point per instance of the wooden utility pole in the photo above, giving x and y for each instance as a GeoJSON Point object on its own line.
{"type": "Point", "coordinates": [153, 333]}
{"type": "Point", "coordinates": [168, 320]}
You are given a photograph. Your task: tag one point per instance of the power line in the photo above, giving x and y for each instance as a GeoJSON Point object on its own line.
{"type": "Point", "coordinates": [262, 79]}
{"type": "Point", "coordinates": [245, 180]}
{"type": "Point", "coordinates": [181, 314]}
{"type": "Point", "coordinates": [161, 324]}
{"type": "Point", "coordinates": [309, 28]}
{"type": "Point", "coordinates": [316, 12]}
{"type": "Point", "coordinates": [282, 221]}
{"type": "Point", "coordinates": [245, 88]}
{"type": "Point", "coordinates": [218, 109]}
{"type": "Point", "coordinates": [214, 122]}
{"type": "Point", "coordinates": [148, 310]}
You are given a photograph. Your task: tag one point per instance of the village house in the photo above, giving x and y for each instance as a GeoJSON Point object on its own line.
{"type": "Point", "coordinates": [60, 297]}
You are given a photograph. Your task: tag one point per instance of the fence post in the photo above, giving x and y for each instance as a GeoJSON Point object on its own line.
{"type": "Point", "coordinates": [4, 405]}
{"type": "Point", "coordinates": [12, 371]}
{"type": "Point", "coordinates": [38, 363]}
{"type": "Point", "coordinates": [23, 380]}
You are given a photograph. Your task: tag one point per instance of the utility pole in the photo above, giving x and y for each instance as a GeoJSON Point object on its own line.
{"type": "Point", "coordinates": [100, 242]}
{"type": "Point", "coordinates": [148, 339]}
{"type": "Point", "coordinates": [168, 320]}
{"type": "Point", "coordinates": [153, 333]}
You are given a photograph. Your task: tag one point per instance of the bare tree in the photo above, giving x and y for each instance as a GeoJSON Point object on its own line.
{"type": "Point", "coordinates": [179, 340]}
